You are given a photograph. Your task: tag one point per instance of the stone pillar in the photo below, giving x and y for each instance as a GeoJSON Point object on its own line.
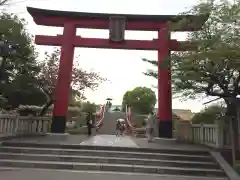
{"type": "Point", "coordinates": [219, 133]}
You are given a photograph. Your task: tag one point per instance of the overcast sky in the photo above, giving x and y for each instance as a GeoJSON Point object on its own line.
{"type": "Point", "coordinates": [123, 68]}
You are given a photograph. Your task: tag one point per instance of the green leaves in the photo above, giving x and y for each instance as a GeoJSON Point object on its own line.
{"type": "Point", "coordinates": [214, 68]}
{"type": "Point", "coordinates": [209, 115]}
{"type": "Point", "coordinates": [19, 83]}
{"type": "Point", "coordinates": [88, 107]}
{"type": "Point", "coordinates": [141, 99]}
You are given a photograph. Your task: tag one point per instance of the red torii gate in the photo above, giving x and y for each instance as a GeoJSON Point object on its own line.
{"type": "Point", "coordinates": [68, 40]}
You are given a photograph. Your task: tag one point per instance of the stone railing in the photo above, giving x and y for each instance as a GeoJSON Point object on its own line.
{"type": "Point", "coordinates": [213, 135]}
{"type": "Point", "coordinates": [14, 124]}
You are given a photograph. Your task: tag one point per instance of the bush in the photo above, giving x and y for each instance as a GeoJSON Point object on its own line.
{"type": "Point", "coordinates": [88, 107]}
{"type": "Point", "coordinates": [139, 120]}
{"type": "Point", "coordinates": [116, 109]}
{"type": "Point", "coordinates": [74, 111]}
{"type": "Point", "coordinates": [28, 110]}
{"type": "Point", "coordinates": [25, 110]}
{"type": "Point", "coordinates": [209, 115]}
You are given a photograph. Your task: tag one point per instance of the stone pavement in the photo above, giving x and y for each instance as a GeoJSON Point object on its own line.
{"type": "Point", "coordinates": [110, 140]}
{"type": "Point", "coordinates": [37, 174]}
{"type": "Point", "coordinates": [159, 143]}
{"type": "Point", "coordinates": [54, 139]}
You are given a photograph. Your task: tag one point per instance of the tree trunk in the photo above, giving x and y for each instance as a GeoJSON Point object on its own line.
{"type": "Point", "coordinates": [2, 66]}
{"type": "Point", "coordinates": [50, 101]}
{"type": "Point", "coordinates": [232, 109]}
{"type": "Point", "coordinates": [235, 139]}
{"type": "Point", "coordinates": [45, 108]}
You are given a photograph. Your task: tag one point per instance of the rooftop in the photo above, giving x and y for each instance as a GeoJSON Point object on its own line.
{"type": "Point", "coordinates": [194, 22]}
{"type": "Point", "coordinates": [184, 114]}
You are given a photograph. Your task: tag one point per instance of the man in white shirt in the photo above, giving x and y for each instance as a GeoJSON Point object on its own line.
{"type": "Point", "coordinates": [150, 127]}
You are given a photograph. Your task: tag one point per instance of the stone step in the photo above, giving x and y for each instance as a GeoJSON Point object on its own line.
{"type": "Point", "coordinates": [107, 153]}
{"type": "Point", "coordinates": [113, 167]}
{"type": "Point", "coordinates": [112, 148]}
{"type": "Point", "coordinates": [109, 122]}
{"type": "Point", "coordinates": [109, 160]}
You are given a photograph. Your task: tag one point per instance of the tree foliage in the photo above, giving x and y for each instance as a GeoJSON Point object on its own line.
{"type": "Point", "coordinates": [18, 75]}
{"type": "Point", "coordinates": [209, 115]}
{"type": "Point", "coordinates": [116, 109]}
{"type": "Point", "coordinates": [214, 68]}
{"type": "Point", "coordinates": [88, 107]}
{"type": "Point", "coordinates": [141, 99]}
{"type": "Point", "coordinates": [26, 82]}
{"type": "Point", "coordinates": [81, 79]}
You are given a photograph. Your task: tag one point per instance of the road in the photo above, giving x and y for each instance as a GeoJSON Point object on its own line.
{"type": "Point", "coordinates": [39, 174]}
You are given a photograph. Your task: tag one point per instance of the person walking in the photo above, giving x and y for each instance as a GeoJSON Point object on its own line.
{"type": "Point", "coordinates": [89, 123]}
{"type": "Point", "coordinates": [150, 127]}
{"type": "Point", "coordinates": [118, 127]}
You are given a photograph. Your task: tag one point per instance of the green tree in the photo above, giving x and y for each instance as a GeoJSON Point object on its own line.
{"type": "Point", "coordinates": [88, 107]}
{"type": "Point", "coordinates": [214, 69]}
{"type": "Point", "coordinates": [125, 100]}
{"type": "Point", "coordinates": [141, 99]}
{"type": "Point", "coordinates": [116, 109]}
{"type": "Point", "coordinates": [24, 90]}
{"type": "Point", "coordinates": [18, 73]}
{"type": "Point", "coordinates": [209, 115]}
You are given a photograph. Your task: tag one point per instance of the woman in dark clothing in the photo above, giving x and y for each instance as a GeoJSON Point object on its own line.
{"type": "Point", "coordinates": [89, 123]}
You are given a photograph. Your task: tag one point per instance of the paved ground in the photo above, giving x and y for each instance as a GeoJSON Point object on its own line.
{"type": "Point", "coordinates": [168, 144]}
{"type": "Point", "coordinates": [54, 139]}
{"type": "Point", "coordinates": [29, 174]}
{"type": "Point", "coordinates": [111, 140]}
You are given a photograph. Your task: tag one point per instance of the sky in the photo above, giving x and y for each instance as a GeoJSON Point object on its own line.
{"type": "Point", "coordinates": [123, 68]}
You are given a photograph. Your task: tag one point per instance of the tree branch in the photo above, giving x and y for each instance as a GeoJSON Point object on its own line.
{"type": "Point", "coordinates": [3, 2]}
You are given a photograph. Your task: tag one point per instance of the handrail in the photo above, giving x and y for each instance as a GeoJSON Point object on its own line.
{"type": "Point", "coordinates": [213, 135]}
{"type": "Point", "coordinates": [15, 124]}
{"type": "Point", "coordinates": [102, 112]}
{"type": "Point", "coordinates": [128, 120]}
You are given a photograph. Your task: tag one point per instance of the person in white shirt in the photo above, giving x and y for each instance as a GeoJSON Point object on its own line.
{"type": "Point", "coordinates": [150, 127]}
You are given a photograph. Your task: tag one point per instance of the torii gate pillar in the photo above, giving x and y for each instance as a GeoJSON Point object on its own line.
{"type": "Point", "coordinates": [164, 111]}
{"type": "Point", "coordinates": [64, 79]}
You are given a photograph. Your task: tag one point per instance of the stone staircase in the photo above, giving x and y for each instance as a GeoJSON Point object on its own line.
{"type": "Point", "coordinates": [109, 122]}
{"type": "Point", "coordinates": [16, 154]}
